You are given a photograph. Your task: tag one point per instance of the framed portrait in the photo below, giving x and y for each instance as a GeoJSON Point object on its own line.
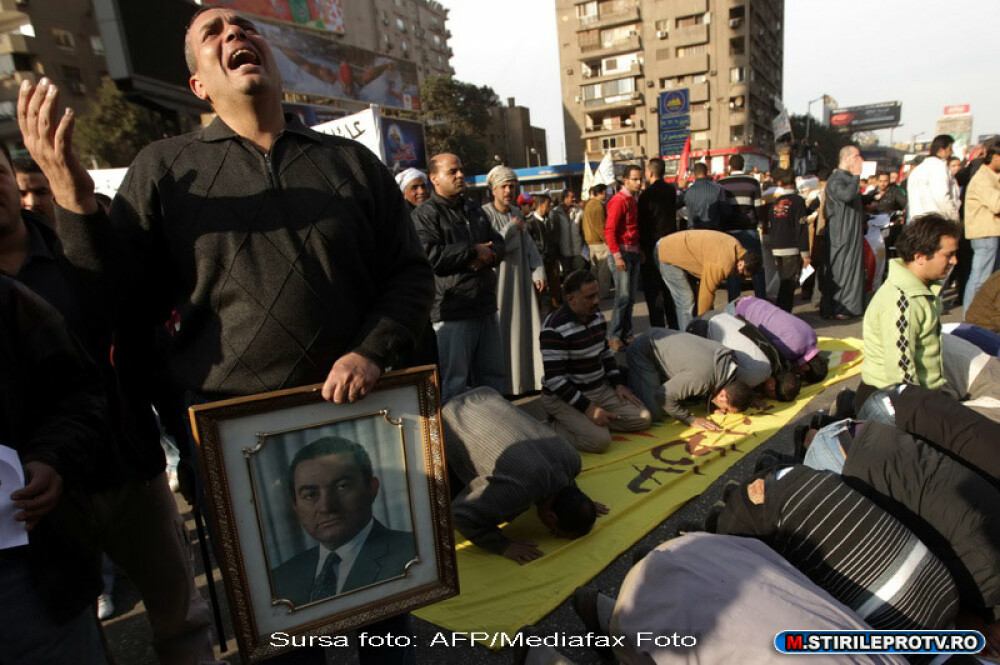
{"type": "Point", "coordinates": [328, 517]}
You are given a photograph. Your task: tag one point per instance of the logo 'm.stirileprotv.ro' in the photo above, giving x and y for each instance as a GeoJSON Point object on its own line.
{"type": "Point", "coordinates": [879, 641]}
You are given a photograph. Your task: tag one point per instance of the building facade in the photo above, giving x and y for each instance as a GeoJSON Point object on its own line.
{"type": "Point", "coordinates": [618, 56]}
{"type": "Point", "coordinates": [512, 140]}
{"type": "Point", "coordinates": [391, 43]}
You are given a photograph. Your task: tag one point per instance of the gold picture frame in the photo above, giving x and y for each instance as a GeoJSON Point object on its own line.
{"type": "Point", "coordinates": [273, 537]}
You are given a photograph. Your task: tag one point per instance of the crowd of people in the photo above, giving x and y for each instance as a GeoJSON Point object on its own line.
{"type": "Point", "coordinates": [256, 255]}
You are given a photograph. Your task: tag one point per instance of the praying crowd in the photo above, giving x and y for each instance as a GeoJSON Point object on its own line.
{"type": "Point", "coordinates": [256, 255]}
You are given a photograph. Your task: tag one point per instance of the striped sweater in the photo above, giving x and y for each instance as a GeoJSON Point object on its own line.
{"type": "Point", "coordinates": [849, 546]}
{"type": "Point", "coordinates": [576, 356]}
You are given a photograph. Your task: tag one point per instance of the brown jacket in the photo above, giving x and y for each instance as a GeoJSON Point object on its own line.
{"type": "Point", "coordinates": [594, 217]}
{"type": "Point", "coordinates": [711, 256]}
{"type": "Point", "coordinates": [982, 204]}
{"type": "Point", "coordinates": [985, 308]}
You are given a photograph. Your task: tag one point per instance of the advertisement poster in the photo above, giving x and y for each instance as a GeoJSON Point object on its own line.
{"type": "Point", "coordinates": [866, 118]}
{"type": "Point", "coordinates": [321, 14]}
{"type": "Point", "coordinates": [314, 64]}
{"type": "Point", "coordinates": [403, 144]}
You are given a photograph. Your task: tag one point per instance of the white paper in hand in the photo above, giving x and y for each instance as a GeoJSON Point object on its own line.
{"type": "Point", "coordinates": [806, 273]}
{"type": "Point", "coordinates": [12, 533]}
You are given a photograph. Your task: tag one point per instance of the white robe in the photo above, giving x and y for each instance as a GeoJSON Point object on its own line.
{"type": "Point", "coordinates": [520, 321]}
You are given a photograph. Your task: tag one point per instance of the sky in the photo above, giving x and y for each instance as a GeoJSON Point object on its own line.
{"type": "Point", "coordinates": [924, 53]}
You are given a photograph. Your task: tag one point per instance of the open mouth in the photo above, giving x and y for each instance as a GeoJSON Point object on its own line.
{"type": "Point", "coordinates": [242, 57]}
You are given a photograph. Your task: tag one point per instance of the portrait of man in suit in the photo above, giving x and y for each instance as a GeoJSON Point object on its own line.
{"type": "Point", "coordinates": [333, 488]}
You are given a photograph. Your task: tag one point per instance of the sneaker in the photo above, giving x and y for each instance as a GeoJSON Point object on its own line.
{"type": "Point", "coordinates": [105, 606]}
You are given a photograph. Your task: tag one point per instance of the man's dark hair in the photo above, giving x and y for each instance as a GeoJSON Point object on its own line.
{"type": "Point", "coordinates": [787, 386]}
{"type": "Point", "coordinates": [816, 369]}
{"type": "Point", "coordinates": [628, 170]}
{"type": "Point", "coordinates": [656, 168]}
{"type": "Point", "coordinates": [541, 197]}
{"type": "Point", "coordinates": [575, 511]}
{"type": "Point", "coordinates": [879, 174]}
{"type": "Point", "coordinates": [783, 176]}
{"type": "Point", "coordinates": [740, 394]}
{"type": "Point", "coordinates": [736, 162]}
{"type": "Point", "coordinates": [565, 194]}
{"type": "Point", "coordinates": [991, 152]}
{"type": "Point", "coordinates": [954, 158]}
{"type": "Point", "coordinates": [940, 142]}
{"type": "Point", "coordinates": [700, 169]}
{"type": "Point", "coordinates": [189, 58]}
{"type": "Point", "coordinates": [597, 190]}
{"type": "Point", "coordinates": [576, 279]}
{"type": "Point", "coordinates": [330, 445]}
{"type": "Point", "coordinates": [991, 142]}
{"type": "Point", "coordinates": [26, 165]}
{"type": "Point", "coordinates": [751, 263]}
{"type": "Point", "coordinates": [923, 236]}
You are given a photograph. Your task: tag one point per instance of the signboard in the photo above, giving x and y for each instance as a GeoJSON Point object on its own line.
{"type": "Point", "coordinates": [363, 127]}
{"type": "Point", "coordinates": [313, 115]}
{"type": "Point", "coordinates": [959, 127]}
{"type": "Point", "coordinates": [315, 64]}
{"type": "Point", "coordinates": [865, 118]}
{"type": "Point", "coordinates": [321, 14]}
{"type": "Point", "coordinates": [674, 120]}
{"type": "Point", "coordinates": [958, 109]}
{"type": "Point", "coordinates": [403, 144]}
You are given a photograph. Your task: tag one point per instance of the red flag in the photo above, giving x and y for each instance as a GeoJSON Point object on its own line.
{"type": "Point", "coordinates": [682, 168]}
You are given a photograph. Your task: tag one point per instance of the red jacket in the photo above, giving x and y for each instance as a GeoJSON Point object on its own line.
{"type": "Point", "coordinates": [621, 231]}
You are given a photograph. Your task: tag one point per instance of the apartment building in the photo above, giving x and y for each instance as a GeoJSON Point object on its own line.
{"type": "Point", "coordinates": [618, 56]}
{"type": "Point", "coordinates": [511, 138]}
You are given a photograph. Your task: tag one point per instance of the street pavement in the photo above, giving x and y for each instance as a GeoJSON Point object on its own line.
{"type": "Point", "coordinates": [129, 637]}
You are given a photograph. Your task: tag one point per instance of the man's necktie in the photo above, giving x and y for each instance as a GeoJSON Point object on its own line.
{"type": "Point", "coordinates": [325, 584]}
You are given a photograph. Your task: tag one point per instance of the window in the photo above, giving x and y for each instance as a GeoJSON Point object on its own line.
{"type": "Point", "coordinates": [699, 136]}
{"type": "Point", "coordinates": [614, 36]}
{"type": "Point", "coordinates": [663, 53]}
{"type": "Point", "coordinates": [662, 25]}
{"type": "Point", "coordinates": [400, 24]}
{"type": "Point", "coordinates": [15, 62]}
{"type": "Point", "coordinates": [737, 12]}
{"type": "Point", "coordinates": [686, 51]}
{"type": "Point", "coordinates": [699, 78]}
{"type": "Point", "coordinates": [736, 134]}
{"type": "Point", "coordinates": [437, 41]}
{"type": "Point", "coordinates": [587, 12]}
{"type": "Point", "coordinates": [64, 39]}
{"type": "Point", "coordinates": [688, 21]}
{"type": "Point", "coordinates": [74, 79]}
{"type": "Point", "coordinates": [666, 84]}
{"type": "Point", "coordinates": [96, 45]}
{"type": "Point", "coordinates": [737, 75]}
{"type": "Point", "coordinates": [737, 103]}
{"type": "Point", "coordinates": [608, 92]}
{"type": "Point", "coordinates": [737, 46]}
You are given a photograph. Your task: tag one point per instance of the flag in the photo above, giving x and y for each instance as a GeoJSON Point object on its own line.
{"type": "Point", "coordinates": [588, 179]}
{"type": "Point", "coordinates": [781, 125]}
{"type": "Point", "coordinates": [605, 174]}
{"type": "Point", "coordinates": [682, 167]}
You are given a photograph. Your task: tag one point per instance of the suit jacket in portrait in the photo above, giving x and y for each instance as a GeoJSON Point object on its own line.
{"type": "Point", "coordinates": [383, 556]}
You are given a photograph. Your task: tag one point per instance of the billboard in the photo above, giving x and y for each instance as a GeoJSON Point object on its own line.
{"type": "Point", "coordinates": [958, 109]}
{"type": "Point", "coordinates": [403, 144]}
{"type": "Point", "coordinates": [674, 120]}
{"type": "Point", "coordinates": [865, 118]}
{"type": "Point", "coordinates": [321, 14]}
{"type": "Point", "coordinates": [315, 64]}
{"type": "Point", "coordinates": [313, 115]}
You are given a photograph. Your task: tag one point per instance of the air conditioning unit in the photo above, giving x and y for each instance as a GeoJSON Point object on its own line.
{"type": "Point", "coordinates": [577, 99]}
{"type": "Point", "coordinates": [735, 23]}
{"type": "Point", "coordinates": [650, 84]}
{"type": "Point", "coordinates": [662, 34]}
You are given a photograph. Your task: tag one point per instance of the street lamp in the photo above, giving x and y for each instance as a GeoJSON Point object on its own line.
{"type": "Point", "coordinates": [913, 141]}
{"type": "Point", "coordinates": [809, 112]}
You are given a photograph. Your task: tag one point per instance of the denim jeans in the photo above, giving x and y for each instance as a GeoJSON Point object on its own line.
{"type": "Point", "coordinates": [984, 263]}
{"type": "Point", "coordinates": [750, 240]}
{"type": "Point", "coordinates": [825, 453]}
{"type": "Point", "coordinates": [680, 291]}
{"type": "Point", "coordinates": [471, 355]}
{"type": "Point", "coordinates": [626, 293]}
{"type": "Point", "coordinates": [878, 408]}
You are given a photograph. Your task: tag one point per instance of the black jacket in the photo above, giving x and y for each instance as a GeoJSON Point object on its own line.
{"type": "Point", "coordinates": [657, 214]}
{"type": "Point", "coordinates": [449, 231]}
{"type": "Point", "coordinates": [52, 411]}
{"type": "Point", "coordinates": [891, 200]}
{"type": "Point", "coordinates": [949, 506]}
{"type": "Point", "coordinates": [277, 264]}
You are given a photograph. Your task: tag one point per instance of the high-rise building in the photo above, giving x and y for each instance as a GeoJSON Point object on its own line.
{"type": "Point", "coordinates": [512, 140]}
{"type": "Point", "coordinates": [618, 56]}
{"type": "Point", "coordinates": [338, 56]}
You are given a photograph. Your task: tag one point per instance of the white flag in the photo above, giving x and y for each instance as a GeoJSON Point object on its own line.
{"type": "Point", "coordinates": [605, 171]}
{"type": "Point", "coordinates": [588, 179]}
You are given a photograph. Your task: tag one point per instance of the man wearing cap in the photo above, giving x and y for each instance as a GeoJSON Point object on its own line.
{"type": "Point", "coordinates": [519, 275]}
{"type": "Point", "coordinates": [413, 184]}
{"type": "Point", "coordinates": [526, 203]}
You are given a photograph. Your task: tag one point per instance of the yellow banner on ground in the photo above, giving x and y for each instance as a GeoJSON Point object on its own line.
{"type": "Point", "coordinates": [643, 478]}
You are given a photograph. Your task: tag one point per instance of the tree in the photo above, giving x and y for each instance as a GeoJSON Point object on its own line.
{"type": "Point", "coordinates": [113, 129]}
{"type": "Point", "coordinates": [826, 142]}
{"type": "Point", "coordinates": [456, 115]}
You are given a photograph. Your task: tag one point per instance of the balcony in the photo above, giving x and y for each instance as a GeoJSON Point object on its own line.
{"type": "Point", "coordinates": [600, 131]}
{"type": "Point", "coordinates": [692, 64]}
{"type": "Point", "coordinates": [737, 118]}
{"type": "Point", "coordinates": [634, 70]}
{"type": "Point", "coordinates": [599, 50]}
{"type": "Point", "coordinates": [694, 34]}
{"type": "Point", "coordinates": [624, 101]}
{"type": "Point", "coordinates": [14, 43]}
{"type": "Point", "coordinates": [698, 92]}
{"type": "Point", "coordinates": [609, 19]}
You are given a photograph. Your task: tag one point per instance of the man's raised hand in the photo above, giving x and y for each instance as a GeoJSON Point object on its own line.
{"type": "Point", "coordinates": [50, 141]}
